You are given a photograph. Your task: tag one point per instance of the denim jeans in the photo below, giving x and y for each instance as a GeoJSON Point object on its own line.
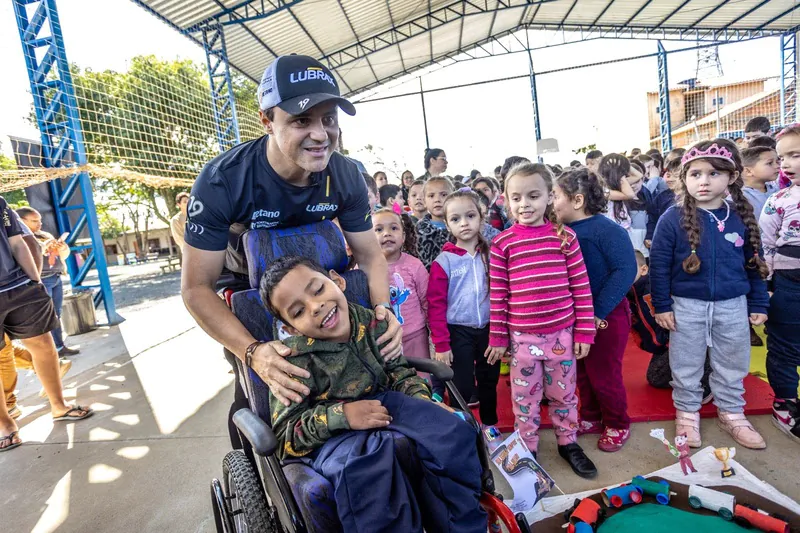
{"type": "Point", "coordinates": [55, 289]}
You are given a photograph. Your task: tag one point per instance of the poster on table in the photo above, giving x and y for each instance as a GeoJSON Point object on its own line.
{"type": "Point", "coordinates": [527, 478]}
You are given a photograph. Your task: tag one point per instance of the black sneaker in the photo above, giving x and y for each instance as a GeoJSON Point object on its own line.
{"type": "Point", "coordinates": [66, 351]}
{"type": "Point", "coordinates": [473, 401]}
{"type": "Point", "coordinates": [786, 417]}
{"type": "Point", "coordinates": [581, 465]}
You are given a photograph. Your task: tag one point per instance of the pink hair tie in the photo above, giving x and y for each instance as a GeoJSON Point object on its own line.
{"type": "Point", "coordinates": [396, 208]}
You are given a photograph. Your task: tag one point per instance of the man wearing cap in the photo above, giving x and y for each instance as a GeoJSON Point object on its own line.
{"type": "Point", "coordinates": [289, 177]}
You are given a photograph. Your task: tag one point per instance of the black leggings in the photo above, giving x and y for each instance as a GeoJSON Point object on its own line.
{"type": "Point", "coordinates": [469, 365]}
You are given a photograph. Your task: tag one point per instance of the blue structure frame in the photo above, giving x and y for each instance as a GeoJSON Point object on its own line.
{"type": "Point", "coordinates": [537, 129]}
{"type": "Point", "coordinates": [59, 123]}
{"type": "Point", "coordinates": [219, 76]}
{"type": "Point", "coordinates": [663, 100]}
{"type": "Point", "coordinates": [788, 78]}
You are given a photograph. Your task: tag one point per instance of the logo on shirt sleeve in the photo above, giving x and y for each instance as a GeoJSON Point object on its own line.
{"type": "Point", "coordinates": [195, 207]}
{"type": "Point", "coordinates": [195, 228]}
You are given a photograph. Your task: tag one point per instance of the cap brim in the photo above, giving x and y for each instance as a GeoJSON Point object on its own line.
{"type": "Point", "coordinates": [301, 104]}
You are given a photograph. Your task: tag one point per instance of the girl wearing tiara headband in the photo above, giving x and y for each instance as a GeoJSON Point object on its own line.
{"type": "Point", "coordinates": [707, 281]}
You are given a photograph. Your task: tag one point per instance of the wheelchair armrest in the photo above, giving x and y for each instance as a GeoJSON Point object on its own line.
{"type": "Point", "coordinates": [438, 369]}
{"type": "Point", "coordinates": [256, 431]}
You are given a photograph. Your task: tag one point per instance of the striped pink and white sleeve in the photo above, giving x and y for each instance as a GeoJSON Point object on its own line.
{"type": "Point", "coordinates": [498, 297]}
{"type": "Point", "coordinates": [584, 330]}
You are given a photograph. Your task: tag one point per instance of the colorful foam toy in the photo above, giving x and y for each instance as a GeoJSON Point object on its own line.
{"type": "Point", "coordinates": [658, 490]}
{"type": "Point", "coordinates": [580, 527]}
{"type": "Point", "coordinates": [749, 516]}
{"type": "Point", "coordinates": [585, 511]}
{"type": "Point", "coordinates": [621, 496]}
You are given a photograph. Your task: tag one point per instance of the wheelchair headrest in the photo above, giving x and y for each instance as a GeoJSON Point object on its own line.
{"type": "Point", "coordinates": [321, 241]}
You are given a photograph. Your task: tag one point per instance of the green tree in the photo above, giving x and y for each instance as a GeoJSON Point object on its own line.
{"type": "Point", "coordinates": [585, 149]}
{"type": "Point", "coordinates": [15, 198]}
{"type": "Point", "coordinates": [155, 119]}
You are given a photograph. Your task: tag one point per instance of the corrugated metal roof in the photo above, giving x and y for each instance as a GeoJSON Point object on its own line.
{"type": "Point", "coordinates": [368, 42]}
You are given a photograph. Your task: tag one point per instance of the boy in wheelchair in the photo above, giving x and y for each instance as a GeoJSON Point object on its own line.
{"type": "Point", "coordinates": [344, 429]}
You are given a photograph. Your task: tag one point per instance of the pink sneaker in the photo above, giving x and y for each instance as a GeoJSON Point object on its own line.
{"type": "Point", "coordinates": [741, 430]}
{"type": "Point", "coordinates": [613, 439]}
{"type": "Point", "coordinates": [688, 423]}
{"type": "Point", "coordinates": [589, 428]}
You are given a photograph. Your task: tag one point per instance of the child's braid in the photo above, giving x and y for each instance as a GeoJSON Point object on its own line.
{"type": "Point", "coordinates": [745, 210]}
{"type": "Point", "coordinates": [692, 228]}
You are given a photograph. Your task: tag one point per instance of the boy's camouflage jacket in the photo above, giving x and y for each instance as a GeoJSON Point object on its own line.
{"type": "Point", "coordinates": [340, 372]}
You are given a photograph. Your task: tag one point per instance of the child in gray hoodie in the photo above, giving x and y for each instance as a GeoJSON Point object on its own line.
{"type": "Point", "coordinates": [458, 304]}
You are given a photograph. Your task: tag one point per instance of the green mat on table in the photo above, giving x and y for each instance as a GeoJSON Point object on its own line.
{"type": "Point", "coordinates": [654, 518]}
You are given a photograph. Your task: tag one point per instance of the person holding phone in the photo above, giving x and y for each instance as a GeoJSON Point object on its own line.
{"type": "Point", "coordinates": [55, 252]}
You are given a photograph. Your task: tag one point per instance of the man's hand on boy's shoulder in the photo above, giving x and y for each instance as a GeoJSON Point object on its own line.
{"type": "Point", "coordinates": [269, 362]}
{"type": "Point", "coordinates": [390, 331]}
{"type": "Point", "coordinates": [366, 414]}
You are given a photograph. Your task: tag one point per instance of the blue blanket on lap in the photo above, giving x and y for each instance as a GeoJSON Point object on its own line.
{"type": "Point", "coordinates": [373, 494]}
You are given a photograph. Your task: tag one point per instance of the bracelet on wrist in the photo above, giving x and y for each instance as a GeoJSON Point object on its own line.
{"type": "Point", "coordinates": [248, 353]}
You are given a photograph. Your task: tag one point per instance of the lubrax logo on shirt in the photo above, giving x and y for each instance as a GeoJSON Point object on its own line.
{"type": "Point", "coordinates": [311, 73]}
{"type": "Point", "coordinates": [322, 208]}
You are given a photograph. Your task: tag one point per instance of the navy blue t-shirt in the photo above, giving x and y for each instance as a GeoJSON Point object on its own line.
{"type": "Point", "coordinates": [11, 275]}
{"type": "Point", "coordinates": [239, 190]}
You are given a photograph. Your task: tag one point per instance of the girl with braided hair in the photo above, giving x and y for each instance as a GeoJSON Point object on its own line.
{"type": "Point", "coordinates": [707, 282]}
{"type": "Point", "coordinates": [541, 311]}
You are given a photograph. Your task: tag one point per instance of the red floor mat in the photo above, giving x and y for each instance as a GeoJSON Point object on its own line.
{"type": "Point", "coordinates": [645, 403]}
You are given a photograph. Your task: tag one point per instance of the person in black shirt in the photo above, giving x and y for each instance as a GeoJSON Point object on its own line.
{"type": "Point", "coordinates": [289, 177]}
{"type": "Point", "coordinates": [26, 312]}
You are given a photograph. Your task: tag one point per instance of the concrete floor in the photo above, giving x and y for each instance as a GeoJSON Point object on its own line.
{"type": "Point", "coordinates": [162, 391]}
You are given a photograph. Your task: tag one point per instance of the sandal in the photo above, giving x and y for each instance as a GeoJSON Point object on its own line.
{"type": "Point", "coordinates": [70, 417]}
{"type": "Point", "coordinates": [10, 439]}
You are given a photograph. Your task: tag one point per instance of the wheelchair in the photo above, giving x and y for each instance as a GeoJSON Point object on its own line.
{"type": "Point", "coordinates": [259, 493]}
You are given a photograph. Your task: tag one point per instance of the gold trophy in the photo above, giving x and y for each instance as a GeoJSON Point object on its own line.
{"type": "Point", "coordinates": [723, 455]}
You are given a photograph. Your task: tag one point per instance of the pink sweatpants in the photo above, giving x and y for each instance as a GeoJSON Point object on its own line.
{"type": "Point", "coordinates": [544, 363]}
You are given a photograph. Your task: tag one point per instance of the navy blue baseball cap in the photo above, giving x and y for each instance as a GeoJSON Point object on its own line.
{"type": "Point", "coordinates": [297, 83]}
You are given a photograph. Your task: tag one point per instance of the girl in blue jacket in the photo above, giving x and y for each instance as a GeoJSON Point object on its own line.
{"type": "Point", "coordinates": [707, 283]}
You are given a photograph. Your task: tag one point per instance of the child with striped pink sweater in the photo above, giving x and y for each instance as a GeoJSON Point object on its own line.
{"type": "Point", "coordinates": [541, 312]}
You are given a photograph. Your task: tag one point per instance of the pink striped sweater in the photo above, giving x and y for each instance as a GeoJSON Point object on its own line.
{"type": "Point", "coordinates": [535, 287]}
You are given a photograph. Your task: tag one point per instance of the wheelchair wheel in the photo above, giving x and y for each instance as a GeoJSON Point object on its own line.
{"type": "Point", "coordinates": [247, 504]}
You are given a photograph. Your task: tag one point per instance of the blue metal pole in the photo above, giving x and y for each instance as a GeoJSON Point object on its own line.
{"type": "Point", "coordinates": [663, 100]}
{"type": "Point", "coordinates": [537, 129]}
{"type": "Point", "coordinates": [788, 79]}
{"type": "Point", "coordinates": [219, 76]}
{"type": "Point", "coordinates": [59, 124]}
